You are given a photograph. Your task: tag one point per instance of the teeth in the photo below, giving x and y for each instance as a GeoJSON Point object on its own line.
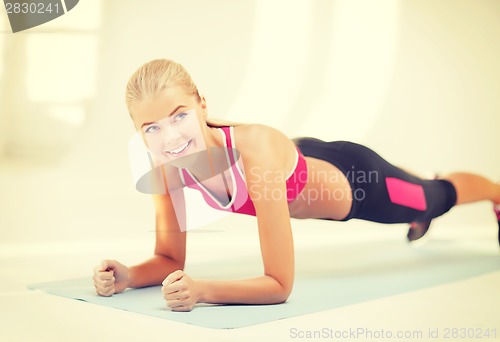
{"type": "Point", "coordinates": [180, 149]}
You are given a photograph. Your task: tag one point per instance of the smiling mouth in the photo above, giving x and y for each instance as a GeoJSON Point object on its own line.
{"type": "Point", "coordinates": [180, 149]}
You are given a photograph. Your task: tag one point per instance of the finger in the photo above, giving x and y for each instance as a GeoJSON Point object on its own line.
{"type": "Point", "coordinates": [108, 292]}
{"type": "Point", "coordinates": [104, 282]}
{"type": "Point", "coordinates": [105, 291]}
{"type": "Point", "coordinates": [99, 281]}
{"type": "Point", "coordinates": [107, 265]}
{"type": "Point", "coordinates": [105, 275]}
{"type": "Point", "coordinates": [172, 288]}
{"type": "Point", "coordinates": [102, 286]}
{"type": "Point", "coordinates": [176, 303]}
{"type": "Point", "coordinates": [108, 287]}
{"type": "Point", "coordinates": [173, 277]}
{"type": "Point", "coordinates": [178, 286]}
{"type": "Point", "coordinates": [103, 266]}
{"type": "Point", "coordinates": [100, 291]}
{"type": "Point", "coordinates": [176, 296]}
{"type": "Point", "coordinates": [182, 308]}
{"type": "Point", "coordinates": [170, 294]}
{"type": "Point", "coordinates": [108, 284]}
{"type": "Point", "coordinates": [167, 291]}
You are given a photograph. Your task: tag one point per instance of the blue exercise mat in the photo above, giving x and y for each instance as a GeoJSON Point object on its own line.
{"type": "Point", "coordinates": [310, 294]}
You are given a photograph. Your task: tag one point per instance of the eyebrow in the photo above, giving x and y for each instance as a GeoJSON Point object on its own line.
{"type": "Point", "coordinates": [175, 110]}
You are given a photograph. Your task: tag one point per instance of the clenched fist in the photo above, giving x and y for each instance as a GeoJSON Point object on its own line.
{"type": "Point", "coordinates": [180, 291]}
{"type": "Point", "coordinates": [110, 277]}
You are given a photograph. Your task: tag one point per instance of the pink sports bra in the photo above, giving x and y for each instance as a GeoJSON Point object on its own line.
{"type": "Point", "coordinates": [240, 200]}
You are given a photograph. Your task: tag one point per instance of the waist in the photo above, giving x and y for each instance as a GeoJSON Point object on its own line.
{"type": "Point", "coordinates": [296, 182]}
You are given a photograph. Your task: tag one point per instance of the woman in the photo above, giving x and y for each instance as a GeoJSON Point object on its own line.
{"type": "Point", "coordinates": [267, 175]}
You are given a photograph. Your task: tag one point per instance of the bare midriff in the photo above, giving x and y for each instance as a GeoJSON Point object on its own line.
{"type": "Point", "coordinates": [327, 193]}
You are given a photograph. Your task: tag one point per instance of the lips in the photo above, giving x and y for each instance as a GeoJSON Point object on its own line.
{"type": "Point", "coordinates": [179, 149]}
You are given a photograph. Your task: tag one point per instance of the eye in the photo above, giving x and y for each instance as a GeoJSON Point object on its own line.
{"type": "Point", "coordinates": [179, 117]}
{"type": "Point", "coordinates": [152, 129]}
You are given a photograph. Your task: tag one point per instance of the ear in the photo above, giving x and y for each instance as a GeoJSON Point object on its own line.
{"type": "Point", "coordinates": [203, 103]}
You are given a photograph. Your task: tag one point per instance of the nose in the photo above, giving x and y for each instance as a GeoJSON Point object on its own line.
{"type": "Point", "coordinates": [172, 138]}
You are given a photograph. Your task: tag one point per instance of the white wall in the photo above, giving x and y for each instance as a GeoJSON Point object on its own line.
{"type": "Point", "coordinates": [415, 80]}
{"type": "Point", "coordinates": [3, 27]}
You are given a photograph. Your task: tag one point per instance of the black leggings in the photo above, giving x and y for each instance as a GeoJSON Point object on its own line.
{"type": "Point", "coordinates": [382, 192]}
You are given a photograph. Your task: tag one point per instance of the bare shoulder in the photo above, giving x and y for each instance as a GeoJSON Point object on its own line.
{"type": "Point", "coordinates": [264, 143]}
{"type": "Point", "coordinates": [258, 137]}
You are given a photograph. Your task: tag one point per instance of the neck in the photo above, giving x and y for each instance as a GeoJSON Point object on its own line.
{"type": "Point", "coordinates": [213, 138]}
{"type": "Point", "coordinates": [213, 162]}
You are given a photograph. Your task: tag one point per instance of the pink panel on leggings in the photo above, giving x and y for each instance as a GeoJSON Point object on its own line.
{"type": "Point", "coordinates": [406, 194]}
{"type": "Point", "coordinates": [497, 212]}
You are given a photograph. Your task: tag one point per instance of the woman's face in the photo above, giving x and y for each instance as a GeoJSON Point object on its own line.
{"type": "Point", "coordinates": [171, 124]}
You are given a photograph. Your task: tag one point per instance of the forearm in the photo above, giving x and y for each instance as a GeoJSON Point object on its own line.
{"type": "Point", "coordinates": [260, 290]}
{"type": "Point", "coordinates": [152, 272]}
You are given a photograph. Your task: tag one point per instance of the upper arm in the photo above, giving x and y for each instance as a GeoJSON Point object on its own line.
{"type": "Point", "coordinates": [266, 161]}
{"type": "Point", "coordinates": [170, 225]}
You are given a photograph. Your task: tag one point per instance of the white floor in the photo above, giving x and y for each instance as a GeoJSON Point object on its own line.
{"type": "Point", "coordinates": [35, 316]}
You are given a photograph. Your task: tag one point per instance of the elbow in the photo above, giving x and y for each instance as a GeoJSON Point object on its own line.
{"type": "Point", "coordinates": [177, 264]}
{"type": "Point", "coordinates": [280, 289]}
{"type": "Point", "coordinates": [283, 292]}
{"type": "Point", "coordinates": [281, 297]}
{"type": "Point", "coordinates": [287, 292]}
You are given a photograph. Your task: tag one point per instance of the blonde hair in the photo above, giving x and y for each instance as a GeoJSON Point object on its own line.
{"type": "Point", "coordinates": [151, 78]}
